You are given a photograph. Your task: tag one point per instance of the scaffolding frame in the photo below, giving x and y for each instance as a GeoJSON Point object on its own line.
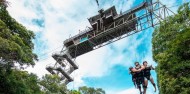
{"type": "Point", "coordinates": [146, 16]}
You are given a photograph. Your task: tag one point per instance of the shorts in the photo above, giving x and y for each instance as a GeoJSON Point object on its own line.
{"type": "Point", "coordinates": [148, 77]}
{"type": "Point", "coordinates": [133, 79]}
{"type": "Point", "coordinates": [139, 81]}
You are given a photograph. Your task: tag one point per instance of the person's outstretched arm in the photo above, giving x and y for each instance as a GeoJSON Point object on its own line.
{"type": "Point", "coordinates": [135, 70]}
{"type": "Point", "coordinates": [142, 67]}
{"type": "Point", "coordinates": [152, 67]}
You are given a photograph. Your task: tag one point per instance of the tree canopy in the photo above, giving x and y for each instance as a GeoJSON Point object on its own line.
{"type": "Point", "coordinates": [16, 41]}
{"type": "Point", "coordinates": [52, 84]}
{"type": "Point", "coordinates": [171, 50]}
{"type": "Point", "coordinates": [18, 82]}
{"type": "Point", "coordinates": [91, 90]}
{"type": "Point", "coordinates": [15, 47]}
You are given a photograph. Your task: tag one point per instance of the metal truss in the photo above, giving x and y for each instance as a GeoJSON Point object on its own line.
{"type": "Point", "coordinates": [63, 67]}
{"type": "Point", "coordinates": [149, 16]}
{"type": "Point", "coordinates": [139, 19]}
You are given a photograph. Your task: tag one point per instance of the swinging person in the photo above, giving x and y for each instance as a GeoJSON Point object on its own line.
{"type": "Point", "coordinates": [147, 74]}
{"type": "Point", "coordinates": [133, 76]}
{"type": "Point", "coordinates": [139, 77]}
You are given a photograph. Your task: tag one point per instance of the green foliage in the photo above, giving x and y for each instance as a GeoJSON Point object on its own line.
{"type": "Point", "coordinates": [74, 92]}
{"type": "Point", "coordinates": [171, 49]}
{"type": "Point", "coordinates": [90, 90]}
{"type": "Point", "coordinates": [18, 82]}
{"type": "Point", "coordinates": [16, 47]}
{"type": "Point", "coordinates": [52, 84]}
{"type": "Point", "coordinates": [15, 40]}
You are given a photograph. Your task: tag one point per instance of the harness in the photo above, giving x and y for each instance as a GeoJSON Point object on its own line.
{"type": "Point", "coordinates": [139, 77]}
{"type": "Point", "coordinates": [147, 71]}
{"type": "Point", "coordinates": [133, 78]}
{"type": "Point", "coordinates": [139, 74]}
{"type": "Point", "coordinates": [133, 75]}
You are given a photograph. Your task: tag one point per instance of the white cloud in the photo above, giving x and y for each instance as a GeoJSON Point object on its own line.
{"type": "Point", "coordinates": [150, 90]}
{"type": "Point", "coordinates": [129, 91]}
{"type": "Point", "coordinates": [130, 44]}
{"type": "Point", "coordinates": [39, 68]}
{"type": "Point", "coordinates": [92, 64]}
{"type": "Point", "coordinates": [125, 91]}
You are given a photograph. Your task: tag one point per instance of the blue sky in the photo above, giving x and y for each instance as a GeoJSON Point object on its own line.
{"type": "Point", "coordinates": [53, 21]}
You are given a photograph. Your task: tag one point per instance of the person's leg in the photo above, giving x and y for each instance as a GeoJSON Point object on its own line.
{"type": "Point", "coordinates": [144, 88]}
{"type": "Point", "coordinates": [152, 81]}
{"type": "Point", "coordinates": [138, 85]}
{"type": "Point", "coordinates": [144, 83]}
{"type": "Point", "coordinates": [134, 84]}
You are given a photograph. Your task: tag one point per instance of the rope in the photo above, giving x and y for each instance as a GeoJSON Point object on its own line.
{"type": "Point", "coordinates": [51, 50]}
{"type": "Point", "coordinates": [48, 53]}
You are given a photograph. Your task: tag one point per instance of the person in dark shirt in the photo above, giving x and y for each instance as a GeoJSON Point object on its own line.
{"type": "Point", "coordinates": [138, 70]}
{"type": "Point", "coordinates": [133, 76]}
{"type": "Point", "coordinates": [147, 74]}
{"type": "Point", "coordinates": [140, 77]}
